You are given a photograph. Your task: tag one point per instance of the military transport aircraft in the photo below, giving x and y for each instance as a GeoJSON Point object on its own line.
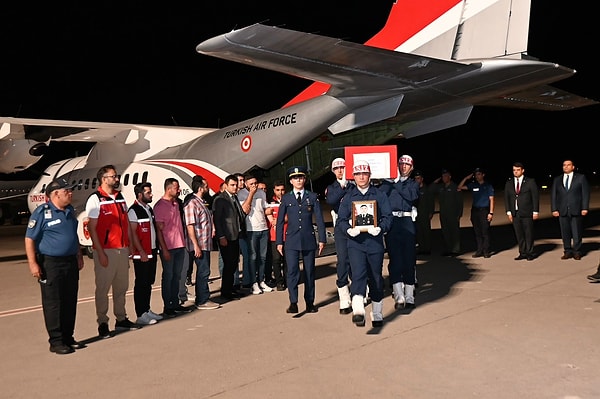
{"type": "Point", "coordinates": [424, 71]}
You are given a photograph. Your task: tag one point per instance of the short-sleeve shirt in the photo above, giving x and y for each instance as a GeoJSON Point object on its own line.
{"type": "Point", "coordinates": [53, 230]}
{"type": "Point", "coordinates": [168, 213]}
{"type": "Point", "coordinates": [481, 193]}
{"type": "Point", "coordinates": [198, 215]}
{"type": "Point", "coordinates": [256, 220]}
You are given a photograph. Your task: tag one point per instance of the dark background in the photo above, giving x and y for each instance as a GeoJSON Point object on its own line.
{"type": "Point", "coordinates": [136, 62]}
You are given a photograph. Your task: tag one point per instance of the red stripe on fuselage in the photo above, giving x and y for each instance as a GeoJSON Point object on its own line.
{"type": "Point", "coordinates": [407, 17]}
{"type": "Point", "coordinates": [214, 181]}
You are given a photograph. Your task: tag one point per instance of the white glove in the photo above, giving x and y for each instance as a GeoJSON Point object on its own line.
{"type": "Point", "coordinates": [374, 231]}
{"type": "Point", "coordinates": [353, 231]}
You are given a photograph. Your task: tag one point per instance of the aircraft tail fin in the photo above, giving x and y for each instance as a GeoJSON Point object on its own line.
{"type": "Point", "coordinates": [449, 30]}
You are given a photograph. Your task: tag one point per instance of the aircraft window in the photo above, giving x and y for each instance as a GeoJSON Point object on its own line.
{"type": "Point", "coordinates": [94, 181]}
{"type": "Point", "coordinates": [144, 177]}
{"type": "Point", "coordinates": [126, 180]}
{"type": "Point", "coordinates": [87, 183]}
{"type": "Point", "coordinates": [80, 185]}
{"type": "Point", "coordinates": [136, 175]}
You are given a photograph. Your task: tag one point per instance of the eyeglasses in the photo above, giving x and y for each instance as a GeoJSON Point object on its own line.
{"type": "Point", "coordinates": [110, 176]}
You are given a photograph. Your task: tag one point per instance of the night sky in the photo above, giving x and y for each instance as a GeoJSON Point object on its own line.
{"type": "Point", "coordinates": [136, 62]}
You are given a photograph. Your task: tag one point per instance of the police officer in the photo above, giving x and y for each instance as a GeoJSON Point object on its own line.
{"type": "Point", "coordinates": [54, 258]}
{"type": "Point", "coordinates": [300, 206]}
{"type": "Point", "coordinates": [365, 244]}
{"type": "Point", "coordinates": [403, 193]}
{"type": "Point", "coordinates": [333, 196]}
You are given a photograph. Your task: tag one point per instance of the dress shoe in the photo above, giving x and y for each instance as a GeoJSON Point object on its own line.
{"type": "Point", "coordinates": [577, 256]}
{"type": "Point", "coordinates": [293, 308]}
{"type": "Point", "coordinates": [358, 320]}
{"type": "Point", "coordinates": [77, 345]}
{"type": "Point", "coordinates": [61, 349]}
{"type": "Point", "coordinates": [477, 255]}
{"type": "Point", "coordinates": [521, 257]}
{"type": "Point", "coordinates": [567, 255]}
{"type": "Point", "coordinates": [377, 323]}
{"type": "Point", "coordinates": [530, 257]}
{"type": "Point", "coordinates": [280, 287]}
{"type": "Point", "coordinates": [487, 255]}
{"type": "Point", "coordinates": [346, 311]}
{"type": "Point", "coordinates": [310, 308]}
{"type": "Point", "coordinates": [230, 296]}
{"type": "Point", "coordinates": [595, 278]}
{"type": "Point", "coordinates": [409, 305]}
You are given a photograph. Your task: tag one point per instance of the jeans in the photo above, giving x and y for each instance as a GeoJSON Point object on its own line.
{"type": "Point", "coordinates": [258, 241]}
{"type": "Point", "coordinates": [202, 276]}
{"type": "Point", "coordinates": [171, 276]}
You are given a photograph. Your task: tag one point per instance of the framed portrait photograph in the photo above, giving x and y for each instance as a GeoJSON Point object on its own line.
{"type": "Point", "coordinates": [364, 214]}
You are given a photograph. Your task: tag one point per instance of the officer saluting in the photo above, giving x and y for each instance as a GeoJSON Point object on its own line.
{"type": "Point", "coordinates": [300, 206]}
{"type": "Point", "coordinates": [52, 249]}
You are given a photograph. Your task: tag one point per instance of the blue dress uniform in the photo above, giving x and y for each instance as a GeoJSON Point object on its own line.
{"type": "Point", "coordinates": [333, 196]}
{"type": "Point", "coordinates": [54, 232]}
{"type": "Point", "coordinates": [401, 240]}
{"type": "Point", "coordinates": [366, 251]}
{"type": "Point", "coordinates": [300, 238]}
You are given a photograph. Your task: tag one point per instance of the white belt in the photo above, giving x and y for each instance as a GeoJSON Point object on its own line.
{"type": "Point", "coordinates": [400, 214]}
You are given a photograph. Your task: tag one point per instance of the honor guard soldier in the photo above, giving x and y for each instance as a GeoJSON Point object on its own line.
{"type": "Point", "coordinates": [401, 240]}
{"type": "Point", "coordinates": [333, 196]}
{"type": "Point", "coordinates": [365, 244]}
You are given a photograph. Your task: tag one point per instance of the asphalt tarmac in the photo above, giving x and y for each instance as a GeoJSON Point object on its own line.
{"type": "Point", "coordinates": [482, 328]}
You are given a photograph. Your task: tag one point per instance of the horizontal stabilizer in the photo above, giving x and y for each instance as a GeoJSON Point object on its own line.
{"type": "Point", "coordinates": [543, 98]}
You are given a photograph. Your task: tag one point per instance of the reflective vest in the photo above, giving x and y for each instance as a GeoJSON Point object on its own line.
{"type": "Point", "coordinates": [145, 225]}
{"type": "Point", "coordinates": [113, 223]}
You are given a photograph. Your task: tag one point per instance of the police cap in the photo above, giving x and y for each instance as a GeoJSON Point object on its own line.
{"type": "Point", "coordinates": [58, 184]}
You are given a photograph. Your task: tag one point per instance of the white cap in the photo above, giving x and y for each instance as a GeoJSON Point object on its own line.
{"type": "Point", "coordinates": [338, 163]}
{"type": "Point", "coordinates": [361, 166]}
{"type": "Point", "coordinates": [407, 159]}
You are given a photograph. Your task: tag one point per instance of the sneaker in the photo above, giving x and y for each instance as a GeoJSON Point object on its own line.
{"type": "Point", "coordinates": [155, 316]}
{"type": "Point", "coordinates": [265, 287]}
{"type": "Point", "coordinates": [255, 289]}
{"type": "Point", "coordinates": [145, 320]}
{"type": "Point", "coordinates": [126, 324]}
{"type": "Point", "coordinates": [103, 331]}
{"type": "Point", "coordinates": [208, 305]}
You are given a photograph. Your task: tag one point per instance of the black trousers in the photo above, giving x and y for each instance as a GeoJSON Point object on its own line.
{"type": "Point", "coordinates": [59, 286]}
{"type": "Point", "coordinates": [145, 275]}
{"type": "Point", "coordinates": [230, 254]}
{"type": "Point", "coordinates": [481, 228]}
{"type": "Point", "coordinates": [523, 226]}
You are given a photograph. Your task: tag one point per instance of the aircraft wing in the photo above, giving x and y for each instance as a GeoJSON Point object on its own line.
{"type": "Point", "coordinates": [61, 130]}
{"type": "Point", "coordinates": [360, 70]}
{"type": "Point", "coordinates": [345, 65]}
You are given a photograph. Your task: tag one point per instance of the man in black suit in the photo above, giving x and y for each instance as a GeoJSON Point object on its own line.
{"type": "Point", "coordinates": [522, 202]}
{"type": "Point", "coordinates": [230, 227]}
{"type": "Point", "coordinates": [570, 203]}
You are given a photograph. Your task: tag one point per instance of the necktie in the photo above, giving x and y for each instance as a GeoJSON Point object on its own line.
{"type": "Point", "coordinates": [241, 213]}
{"type": "Point", "coordinates": [518, 189]}
{"type": "Point", "coordinates": [299, 198]}
{"type": "Point", "coordinates": [567, 183]}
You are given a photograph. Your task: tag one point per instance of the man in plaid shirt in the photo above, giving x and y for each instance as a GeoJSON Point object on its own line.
{"type": "Point", "coordinates": [199, 224]}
